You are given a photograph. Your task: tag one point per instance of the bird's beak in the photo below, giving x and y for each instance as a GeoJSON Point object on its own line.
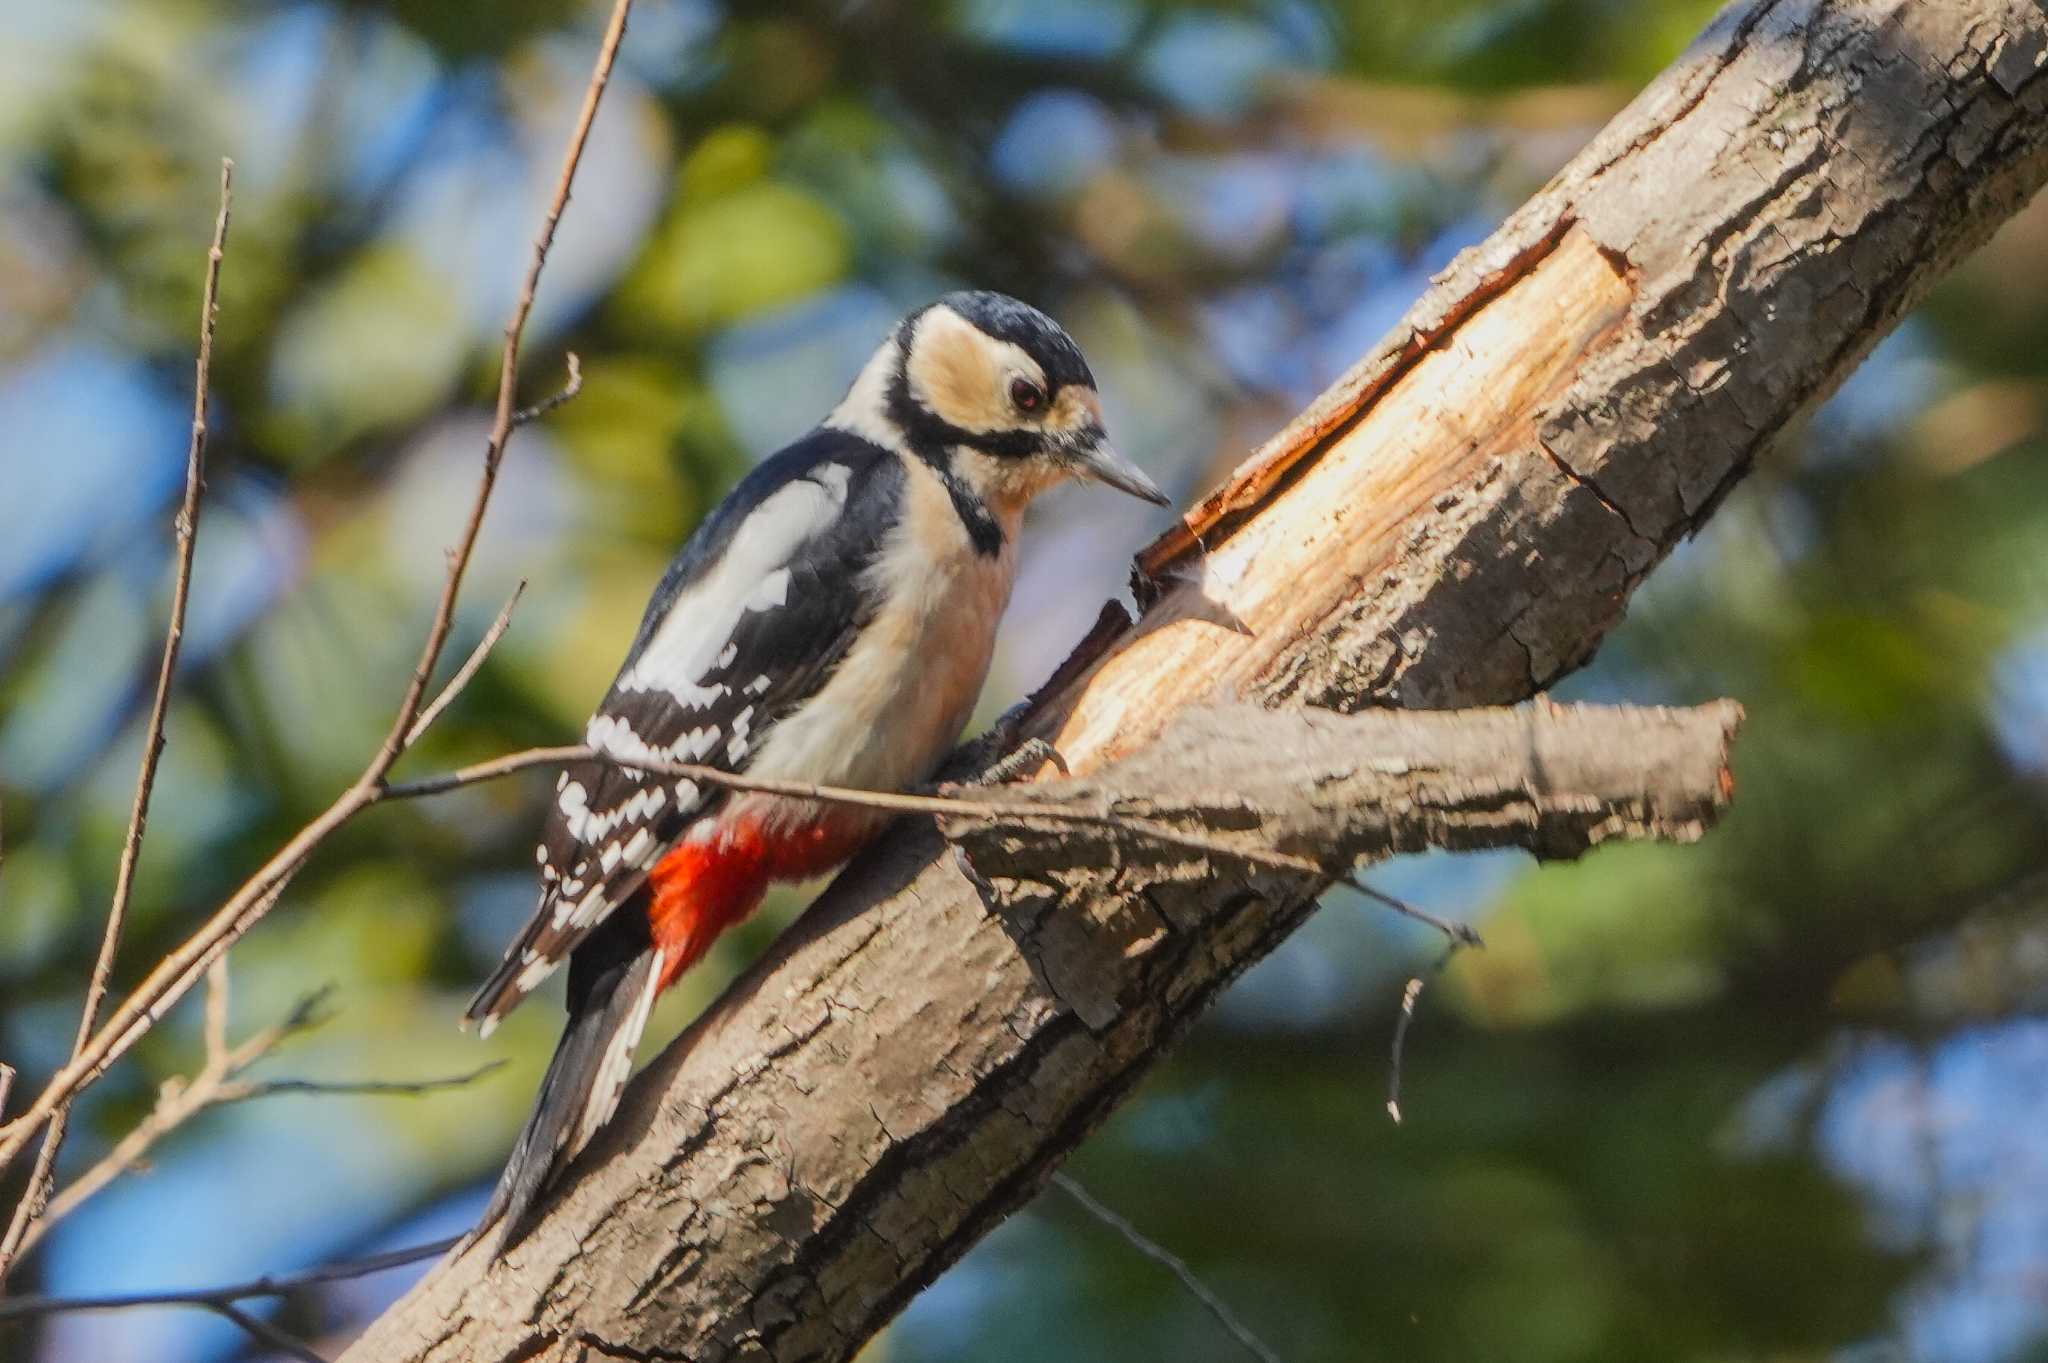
{"type": "Point", "coordinates": [1094, 457]}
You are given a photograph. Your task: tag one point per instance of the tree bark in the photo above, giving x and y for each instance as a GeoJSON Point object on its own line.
{"type": "Point", "coordinates": [1456, 523]}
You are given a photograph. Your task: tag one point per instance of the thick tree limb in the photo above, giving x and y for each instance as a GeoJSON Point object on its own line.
{"type": "Point", "coordinates": [1457, 523]}
{"type": "Point", "coordinates": [1327, 789]}
{"type": "Point", "coordinates": [1554, 779]}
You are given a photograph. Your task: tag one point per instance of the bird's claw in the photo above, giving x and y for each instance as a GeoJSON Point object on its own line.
{"type": "Point", "coordinates": [1026, 757]}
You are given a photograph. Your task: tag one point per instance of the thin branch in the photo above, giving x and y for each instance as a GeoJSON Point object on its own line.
{"type": "Point", "coordinates": [38, 1191]}
{"type": "Point", "coordinates": [269, 1285]}
{"type": "Point", "coordinates": [1409, 995]}
{"type": "Point", "coordinates": [1460, 934]}
{"type": "Point", "coordinates": [568, 394]}
{"type": "Point", "coordinates": [174, 976]}
{"type": "Point", "coordinates": [1174, 1264]}
{"type": "Point", "coordinates": [217, 1010]}
{"type": "Point", "coordinates": [180, 1100]}
{"type": "Point", "coordinates": [944, 806]}
{"type": "Point", "coordinates": [263, 1332]}
{"type": "Point", "coordinates": [469, 668]}
{"type": "Point", "coordinates": [407, 1088]}
{"type": "Point", "coordinates": [505, 421]}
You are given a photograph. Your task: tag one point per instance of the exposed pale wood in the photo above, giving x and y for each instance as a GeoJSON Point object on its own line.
{"type": "Point", "coordinates": [1390, 486]}
{"type": "Point", "coordinates": [1456, 523]}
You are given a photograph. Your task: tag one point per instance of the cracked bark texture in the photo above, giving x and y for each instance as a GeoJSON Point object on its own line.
{"type": "Point", "coordinates": [1456, 523]}
{"type": "Point", "coordinates": [1327, 789]}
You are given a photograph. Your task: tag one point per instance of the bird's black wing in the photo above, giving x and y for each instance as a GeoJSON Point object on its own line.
{"type": "Point", "coordinates": [746, 625]}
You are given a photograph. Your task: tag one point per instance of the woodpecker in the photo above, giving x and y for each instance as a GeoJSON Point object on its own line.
{"type": "Point", "coordinates": [831, 621]}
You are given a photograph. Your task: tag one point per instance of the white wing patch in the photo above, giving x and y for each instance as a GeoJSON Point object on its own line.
{"type": "Point", "coordinates": [678, 701]}
{"type": "Point", "coordinates": [752, 574]}
{"type": "Point", "coordinates": [595, 825]}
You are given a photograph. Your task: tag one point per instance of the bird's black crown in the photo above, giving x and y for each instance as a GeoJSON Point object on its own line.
{"type": "Point", "coordinates": [1037, 335]}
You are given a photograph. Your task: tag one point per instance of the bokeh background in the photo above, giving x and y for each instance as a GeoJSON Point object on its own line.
{"type": "Point", "coordinates": [1783, 1096]}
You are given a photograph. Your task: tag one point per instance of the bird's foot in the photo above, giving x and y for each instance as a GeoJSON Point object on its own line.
{"type": "Point", "coordinates": [1026, 757]}
{"type": "Point", "coordinates": [998, 756]}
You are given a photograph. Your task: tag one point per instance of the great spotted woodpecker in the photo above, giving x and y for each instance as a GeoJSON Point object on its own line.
{"type": "Point", "coordinates": [831, 621]}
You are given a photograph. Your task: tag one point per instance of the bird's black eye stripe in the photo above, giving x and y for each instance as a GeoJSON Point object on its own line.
{"type": "Point", "coordinates": [1028, 396]}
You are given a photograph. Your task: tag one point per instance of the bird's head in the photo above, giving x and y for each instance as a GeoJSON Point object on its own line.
{"type": "Point", "coordinates": [1001, 389]}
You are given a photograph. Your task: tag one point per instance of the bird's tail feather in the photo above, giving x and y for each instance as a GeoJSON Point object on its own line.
{"type": "Point", "coordinates": [608, 1007]}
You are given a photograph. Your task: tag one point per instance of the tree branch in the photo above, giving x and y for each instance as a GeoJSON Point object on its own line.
{"type": "Point", "coordinates": [270, 1285]}
{"type": "Point", "coordinates": [1120, 1226]}
{"type": "Point", "coordinates": [36, 1195]}
{"type": "Point", "coordinates": [1555, 781]}
{"type": "Point", "coordinates": [467, 671]}
{"type": "Point", "coordinates": [181, 1099]}
{"type": "Point", "coordinates": [222, 1300]}
{"type": "Point", "coordinates": [1456, 523]}
{"type": "Point", "coordinates": [174, 976]}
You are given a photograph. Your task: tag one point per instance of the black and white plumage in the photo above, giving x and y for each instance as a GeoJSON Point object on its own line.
{"type": "Point", "coordinates": [831, 621]}
{"type": "Point", "coordinates": [748, 621]}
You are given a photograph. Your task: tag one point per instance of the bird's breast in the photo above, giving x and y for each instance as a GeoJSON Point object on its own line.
{"type": "Point", "coordinates": [899, 698]}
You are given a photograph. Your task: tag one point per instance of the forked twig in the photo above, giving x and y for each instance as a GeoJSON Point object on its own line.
{"type": "Point", "coordinates": [469, 668]}
{"type": "Point", "coordinates": [179, 1100]}
{"type": "Point", "coordinates": [218, 1083]}
{"type": "Point", "coordinates": [263, 1332]}
{"type": "Point", "coordinates": [178, 972]}
{"type": "Point", "coordinates": [222, 1300]}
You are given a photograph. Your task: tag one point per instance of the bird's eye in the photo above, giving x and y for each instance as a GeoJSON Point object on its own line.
{"type": "Point", "coordinates": [1028, 396]}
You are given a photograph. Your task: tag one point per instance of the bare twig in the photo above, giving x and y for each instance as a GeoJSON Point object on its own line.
{"type": "Point", "coordinates": [568, 394]}
{"type": "Point", "coordinates": [469, 668]}
{"type": "Point", "coordinates": [217, 1010]}
{"type": "Point", "coordinates": [38, 1191]}
{"type": "Point", "coordinates": [263, 1332]}
{"type": "Point", "coordinates": [270, 1285]}
{"type": "Point", "coordinates": [1459, 934]}
{"type": "Point", "coordinates": [179, 1100]}
{"type": "Point", "coordinates": [505, 421]}
{"type": "Point", "coordinates": [219, 1083]}
{"type": "Point", "coordinates": [1174, 1264]}
{"type": "Point", "coordinates": [1393, 1077]}
{"type": "Point", "coordinates": [216, 1085]}
{"type": "Point", "coordinates": [1411, 994]}
{"type": "Point", "coordinates": [375, 1088]}
{"type": "Point", "coordinates": [178, 972]}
